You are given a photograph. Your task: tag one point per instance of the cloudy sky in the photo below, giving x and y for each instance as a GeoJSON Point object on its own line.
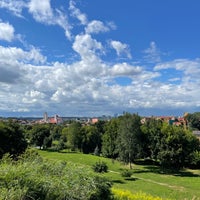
{"type": "Point", "coordinates": [99, 57]}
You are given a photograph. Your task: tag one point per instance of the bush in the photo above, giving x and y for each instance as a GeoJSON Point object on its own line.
{"type": "Point", "coordinates": [40, 179]}
{"type": "Point", "coordinates": [100, 167]}
{"type": "Point", "coordinates": [195, 163]}
{"type": "Point", "coordinates": [126, 173]}
{"type": "Point", "coordinates": [102, 191]}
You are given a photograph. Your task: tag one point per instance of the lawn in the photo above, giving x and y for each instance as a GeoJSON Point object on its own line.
{"type": "Point", "coordinates": [146, 178]}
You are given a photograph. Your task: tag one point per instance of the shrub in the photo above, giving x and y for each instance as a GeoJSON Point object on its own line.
{"type": "Point", "coordinates": [102, 190]}
{"type": "Point", "coordinates": [47, 180]}
{"type": "Point", "coordinates": [100, 167]}
{"type": "Point", "coordinates": [126, 173]}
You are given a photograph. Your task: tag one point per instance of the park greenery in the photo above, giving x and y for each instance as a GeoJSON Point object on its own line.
{"type": "Point", "coordinates": [26, 175]}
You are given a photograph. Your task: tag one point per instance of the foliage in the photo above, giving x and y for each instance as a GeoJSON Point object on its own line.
{"type": "Point", "coordinates": [109, 139]}
{"type": "Point", "coordinates": [152, 131]}
{"type": "Point", "coordinates": [74, 136]}
{"type": "Point", "coordinates": [100, 167]}
{"type": "Point", "coordinates": [12, 139]}
{"type": "Point", "coordinates": [41, 179]}
{"type": "Point", "coordinates": [103, 190]}
{"type": "Point", "coordinates": [91, 139]}
{"type": "Point", "coordinates": [176, 147]}
{"type": "Point", "coordinates": [129, 138]}
{"type": "Point", "coordinates": [126, 173]}
{"type": "Point", "coordinates": [194, 120]}
{"type": "Point", "coordinates": [195, 163]}
{"type": "Point", "coordinates": [40, 135]}
{"type": "Point", "coordinates": [127, 195]}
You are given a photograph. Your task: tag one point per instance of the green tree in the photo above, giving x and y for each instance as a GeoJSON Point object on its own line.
{"type": "Point", "coordinates": [129, 137]}
{"type": "Point", "coordinates": [177, 147]}
{"type": "Point", "coordinates": [40, 135]}
{"type": "Point", "coordinates": [56, 132]}
{"type": "Point", "coordinates": [109, 139]}
{"type": "Point", "coordinates": [194, 120]}
{"type": "Point", "coordinates": [91, 139]}
{"type": "Point", "coordinates": [153, 135]}
{"type": "Point", "coordinates": [74, 137]}
{"type": "Point", "coordinates": [12, 139]}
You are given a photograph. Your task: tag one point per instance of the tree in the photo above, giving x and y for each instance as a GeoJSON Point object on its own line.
{"type": "Point", "coordinates": [40, 135]}
{"type": "Point", "coordinates": [128, 137]}
{"type": "Point", "coordinates": [153, 135]}
{"type": "Point", "coordinates": [194, 120]}
{"type": "Point", "coordinates": [109, 139]}
{"type": "Point", "coordinates": [12, 140]}
{"type": "Point", "coordinates": [91, 139]}
{"type": "Point", "coordinates": [74, 137]}
{"type": "Point", "coordinates": [177, 147]}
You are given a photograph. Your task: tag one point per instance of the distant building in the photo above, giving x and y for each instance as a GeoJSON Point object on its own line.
{"type": "Point", "coordinates": [51, 120]}
{"type": "Point", "coordinates": [94, 120]}
{"type": "Point", "coordinates": [45, 117]}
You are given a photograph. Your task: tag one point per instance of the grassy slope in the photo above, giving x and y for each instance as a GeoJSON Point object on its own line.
{"type": "Point", "coordinates": [149, 179]}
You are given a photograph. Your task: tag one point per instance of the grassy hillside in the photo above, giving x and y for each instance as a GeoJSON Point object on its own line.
{"type": "Point", "coordinates": [145, 178]}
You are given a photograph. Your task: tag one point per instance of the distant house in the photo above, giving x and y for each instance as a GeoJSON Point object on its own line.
{"type": "Point", "coordinates": [94, 120]}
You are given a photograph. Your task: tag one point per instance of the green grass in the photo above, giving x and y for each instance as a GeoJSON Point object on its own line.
{"type": "Point", "coordinates": [148, 179]}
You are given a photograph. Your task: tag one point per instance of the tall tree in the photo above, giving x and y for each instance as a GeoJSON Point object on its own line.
{"type": "Point", "coordinates": [128, 138]}
{"type": "Point", "coordinates": [153, 135]}
{"type": "Point", "coordinates": [74, 137]}
{"type": "Point", "coordinates": [109, 139]}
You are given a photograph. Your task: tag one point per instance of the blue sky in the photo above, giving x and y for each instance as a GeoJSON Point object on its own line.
{"type": "Point", "coordinates": [93, 58]}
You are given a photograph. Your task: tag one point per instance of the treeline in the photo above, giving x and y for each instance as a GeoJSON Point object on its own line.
{"type": "Point", "coordinates": [124, 138]}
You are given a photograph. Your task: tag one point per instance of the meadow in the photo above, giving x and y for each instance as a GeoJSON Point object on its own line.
{"type": "Point", "coordinates": [149, 179]}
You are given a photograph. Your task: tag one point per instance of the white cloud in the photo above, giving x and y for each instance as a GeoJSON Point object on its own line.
{"type": "Point", "coordinates": [96, 26]}
{"type": "Point", "coordinates": [14, 7]}
{"type": "Point", "coordinates": [82, 87]}
{"type": "Point", "coordinates": [86, 46]}
{"type": "Point", "coordinates": [87, 86]}
{"type": "Point", "coordinates": [75, 12]}
{"type": "Point", "coordinates": [124, 69]}
{"type": "Point", "coordinates": [41, 10]}
{"type": "Point", "coordinates": [13, 54]}
{"type": "Point", "coordinates": [120, 48]}
{"type": "Point", "coordinates": [6, 31]}
{"type": "Point", "coordinates": [152, 53]}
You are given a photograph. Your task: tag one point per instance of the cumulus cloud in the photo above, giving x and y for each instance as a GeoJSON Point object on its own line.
{"type": "Point", "coordinates": [120, 48]}
{"type": "Point", "coordinates": [8, 75]}
{"type": "Point", "coordinates": [124, 69]}
{"type": "Point", "coordinates": [87, 86]}
{"type": "Point", "coordinates": [13, 54]}
{"type": "Point", "coordinates": [6, 32]}
{"type": "Point", "coordinates": [86, 46]}
{"type": "Point", "coordinates": [41, 10]}
{"type": "Point", "coordinates": [96, 26]}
